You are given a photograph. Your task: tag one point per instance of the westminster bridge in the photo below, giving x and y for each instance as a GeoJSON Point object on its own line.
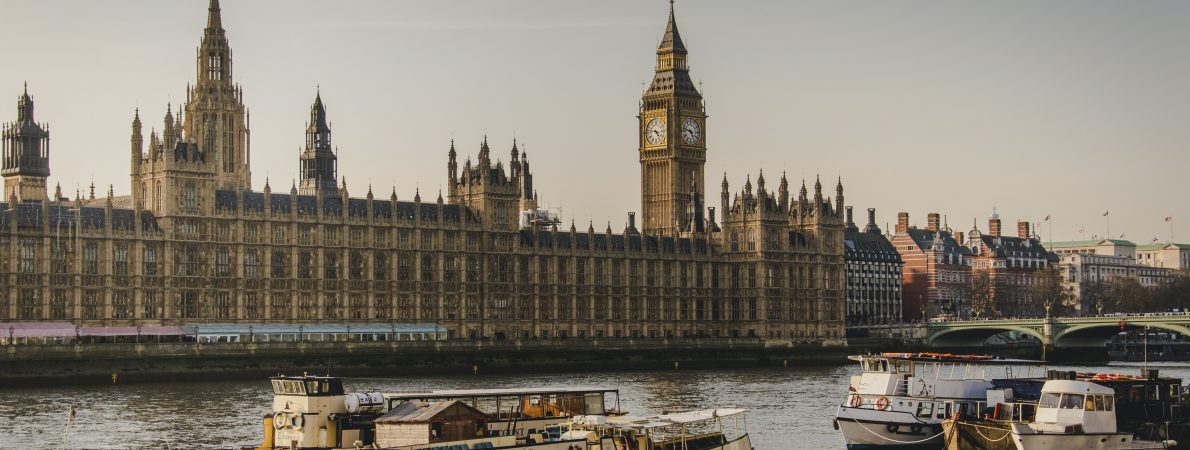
{"type": "Point", "coordinates": [1052, 332]}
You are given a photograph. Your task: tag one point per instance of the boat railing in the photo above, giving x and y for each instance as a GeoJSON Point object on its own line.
{"type": "Point", "coordinates": [1011, 411]}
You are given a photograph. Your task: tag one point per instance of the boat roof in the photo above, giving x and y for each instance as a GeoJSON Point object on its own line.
{"type": "Point", "coordinates": [948, 358]}
{"type": "Point", "coordinates": [466, 393]}
{"type": "Point", "coordinates": [1076, 387]}
{"type": "Point", "coordinates": [672, 419]}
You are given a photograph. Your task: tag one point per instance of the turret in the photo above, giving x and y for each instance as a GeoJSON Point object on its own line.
{"type": "Point", "coordinates": [25, 149]}
{"type": "Point", "coordinates": [452, 167]}
{"type": "Point", "coordinates": [319, 163]}
{"type": "Point", "coordinates": [783, 193]}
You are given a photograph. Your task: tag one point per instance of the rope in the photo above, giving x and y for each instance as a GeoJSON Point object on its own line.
{"type": "Point", "coordinates": [861, 425]}
{"type": "Point", "coordinates": [977, 430]}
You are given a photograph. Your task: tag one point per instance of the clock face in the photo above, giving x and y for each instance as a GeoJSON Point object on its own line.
{"type": "Point", "coordinates": [655, 131]}
{"type": "Point", "coordinates": [691, 133]}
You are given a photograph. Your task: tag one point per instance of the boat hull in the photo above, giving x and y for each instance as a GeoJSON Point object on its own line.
{"type": "Point", "coordinates": [866, 428]}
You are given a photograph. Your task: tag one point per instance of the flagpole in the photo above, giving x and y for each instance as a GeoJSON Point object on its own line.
{"type": "Point", "coordinates": [1108, 216]}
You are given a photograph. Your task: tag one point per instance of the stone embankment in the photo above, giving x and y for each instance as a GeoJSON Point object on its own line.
{"type": "Point", "coordinates": [103, 363]}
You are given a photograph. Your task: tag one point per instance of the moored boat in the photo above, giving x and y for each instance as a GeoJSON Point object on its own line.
{"type": "Point", "coordinates": [1071, 414]}
{"type": "Point", "coordinates": [315, 412]}
{"type": "Point", "coordinates": [900, 399]}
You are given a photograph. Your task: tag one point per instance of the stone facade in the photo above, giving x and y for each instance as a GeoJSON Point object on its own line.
{"type": "Point", "coordinates": [194, 243]}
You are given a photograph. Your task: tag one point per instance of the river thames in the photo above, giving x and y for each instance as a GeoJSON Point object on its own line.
{"type": "Point", "coordinates": [787, 408]}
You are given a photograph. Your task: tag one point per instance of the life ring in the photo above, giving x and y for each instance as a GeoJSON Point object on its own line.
{"type": "Point", "coordinates": [279, 420]}
{"type": "Point", "coordinates": [856, 401]}
{"type": "Point", "coordinates": [882, 404]}
{"type": "Point", "coordinates": [297, 421]}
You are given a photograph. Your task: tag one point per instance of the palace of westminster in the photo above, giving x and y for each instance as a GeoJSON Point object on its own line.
{"type": "Point", "coordinates": [194, 243]}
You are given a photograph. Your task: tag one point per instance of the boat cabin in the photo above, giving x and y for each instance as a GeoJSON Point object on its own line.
{"type": "Point", "coordinates": [1075, 406]}
{"type": "Point", "coordinates": [927, 375]}
{"type": "Point", "coordinates": [523, 411]}
{"type": "Point", "coordinates": [414, 423]}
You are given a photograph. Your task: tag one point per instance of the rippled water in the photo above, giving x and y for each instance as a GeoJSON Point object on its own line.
{"type": "Point", "coordinates": [788, 408]}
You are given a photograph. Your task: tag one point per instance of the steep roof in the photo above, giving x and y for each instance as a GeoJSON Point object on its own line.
{"type": "Point", "coordinates": [423, 412]}
{"type": "Point", "coordinates": [868, 247]}
{"type": "Point", "coordinates": [925, 240]}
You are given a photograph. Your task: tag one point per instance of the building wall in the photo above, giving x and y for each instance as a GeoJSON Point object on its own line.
{"type": "Point", "coordinates": [194, 244]}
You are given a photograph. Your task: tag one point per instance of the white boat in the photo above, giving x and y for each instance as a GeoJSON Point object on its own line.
{"type": "Point", "coordinates": [1077, 415]}
{"type": "Point", "coordinates": [315, 412]}
{"type": "Point", "coordinates": [900, 399]}
{"type": "Point", "coordinates": [709, 429]}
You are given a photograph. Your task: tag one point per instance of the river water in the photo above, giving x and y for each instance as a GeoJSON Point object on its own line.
{"type": "Point", "coordinates": [788, 408]}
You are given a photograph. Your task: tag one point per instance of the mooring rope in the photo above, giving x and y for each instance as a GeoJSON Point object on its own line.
{"type": "Point", "coordinates": [977, 430]}
{"type": "Point", "coordinates": [861, 425]}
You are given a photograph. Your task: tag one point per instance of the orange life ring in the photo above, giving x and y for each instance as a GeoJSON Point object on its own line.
{"type": "Point", "coordinates": [856, 401]}
{"type": "Point", "coordinates": [882, 404]}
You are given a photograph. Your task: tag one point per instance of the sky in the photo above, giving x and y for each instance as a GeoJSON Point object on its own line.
{"type": "Point", "coordinates": [1063, 108]}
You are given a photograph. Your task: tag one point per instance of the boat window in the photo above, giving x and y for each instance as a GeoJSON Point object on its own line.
{"type": "Point", "coordinates": [1154, 393]}
{"type": "Point", "coordinates": [1049, 400]}
{"type": "Point", "coordinates": [1108, 402]}
{"type": "Point", "coordinates": [1135, 394]}
{"type": "Point", "coordinates": [312, 387]}
{"type": "Point", "coordinates": [925, 409]}
{"type": "Point", "coordinates": [1098, 404]}
{"type": "Point", "coordinates": [1072, 401]}
{"type": "Point", "coordinates": [884, 365]}
{"type": "Point", "coordinates": [1089, 405]}
{"type": "Point", "coordinates": [904, 367]}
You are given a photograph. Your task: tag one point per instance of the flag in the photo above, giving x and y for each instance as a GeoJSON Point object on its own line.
{"type": "Point", "coordinates": [1169, 218]}
{"type": "Point", "coordinates": [1047, 217]}
{"type": "Point", "coordinates": [1105, 213]}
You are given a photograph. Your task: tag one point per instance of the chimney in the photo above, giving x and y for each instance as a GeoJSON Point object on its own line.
{"type": "Point", "coordinates": [711, 215]}
{"type": "Point", "coordinates": [933, 221]}
{"type": "Point", "coordinates": [1022, 229]}
{"type": "Point", "coordinates": [631, 220]}
{"type": "Point", "coordinates": [849, 221]}
{"type": "Point", "coordinates": [958, 237]}
{"type": "Point", "coordinates": [902, 222]}
{"type": "Point", "coordinates": [994, 225]}
{"type": "Point", "coordinates": [872, 217]}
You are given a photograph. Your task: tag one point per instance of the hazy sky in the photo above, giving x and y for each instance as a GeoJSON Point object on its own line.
{"type": "Point", "coordinates": [1066, 108]}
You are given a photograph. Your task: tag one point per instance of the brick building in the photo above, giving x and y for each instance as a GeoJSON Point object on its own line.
{"type": "Point", "coordinates": [1014, 267]}
{"type": "Point", "coordinates": [937, 269]}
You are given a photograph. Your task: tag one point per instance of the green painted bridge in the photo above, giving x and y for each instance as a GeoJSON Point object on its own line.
{"type": "Point", "coordinates": [1055, 332]}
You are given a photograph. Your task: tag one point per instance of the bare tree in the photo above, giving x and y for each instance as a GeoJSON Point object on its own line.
{"type": "Point", "coordinates": [983, 303]}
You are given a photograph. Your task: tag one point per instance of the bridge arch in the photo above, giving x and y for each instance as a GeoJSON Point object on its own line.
{"type": "Point", "coordinates": [1097, 334]}
{"type": "Point", "coordinates": [976, 335]}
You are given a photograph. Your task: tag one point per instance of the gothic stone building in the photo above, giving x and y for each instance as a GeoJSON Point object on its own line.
{"type": "Point", "coordinates": [194, 243]}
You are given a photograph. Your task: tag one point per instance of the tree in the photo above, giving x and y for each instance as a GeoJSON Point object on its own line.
{"type": "Point", "coordinates": [983, 303]}
{"type": "Point", "coordinates": [1125, 294]}
{"type": "Point", "coordinates": [1048, 294]}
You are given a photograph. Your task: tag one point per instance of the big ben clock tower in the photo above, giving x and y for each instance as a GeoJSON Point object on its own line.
{"type": "Point", "coordinates": [672, 138]}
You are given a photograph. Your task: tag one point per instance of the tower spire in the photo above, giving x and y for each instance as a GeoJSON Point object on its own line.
{"type": "Point", "coordinates": [671, 40]}
{"type": "Point", "coordinates": [214, 19]}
